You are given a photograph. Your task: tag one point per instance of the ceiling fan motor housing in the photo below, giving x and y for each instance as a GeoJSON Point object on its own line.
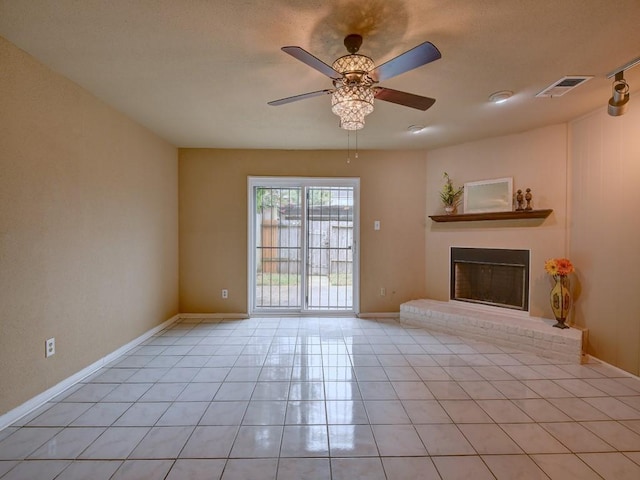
{"type": "Point", "coordinates": [353, 42]}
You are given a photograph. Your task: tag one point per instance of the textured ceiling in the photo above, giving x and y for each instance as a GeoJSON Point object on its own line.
{"type": "Point", "coordinates": [199, 73]}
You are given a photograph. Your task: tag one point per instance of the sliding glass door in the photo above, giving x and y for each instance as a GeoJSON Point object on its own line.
{"type": "Point", "coordinates": [303, 245]}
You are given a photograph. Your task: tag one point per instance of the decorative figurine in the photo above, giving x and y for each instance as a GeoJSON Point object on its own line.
{"type": "Point", "coordinates": [519, 201]}
{"type": "Point", "coordinates": [528, 197]}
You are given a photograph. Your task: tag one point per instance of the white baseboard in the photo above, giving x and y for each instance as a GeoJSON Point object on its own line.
{"type": "Point", "coordinates": [379, 315]}
{"type": "Point", "coordinates": [622, 372]}
{"type": "Point", "coordinates": [29, 406]}
{"type": "Point", "coordinates": [230, 316]}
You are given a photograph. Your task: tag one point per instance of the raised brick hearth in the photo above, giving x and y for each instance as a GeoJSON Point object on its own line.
{"type": "Point", "coordinates": [529, 334]}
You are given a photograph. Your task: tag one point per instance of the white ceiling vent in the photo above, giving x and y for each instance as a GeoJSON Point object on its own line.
{"type": "Point", "coordinates": [564, 85]}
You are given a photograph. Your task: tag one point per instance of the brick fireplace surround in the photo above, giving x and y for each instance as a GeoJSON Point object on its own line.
{"type": "Point", "coordinates": [489, 292]}
{"type": "Point", "coordinates": [530, 334]}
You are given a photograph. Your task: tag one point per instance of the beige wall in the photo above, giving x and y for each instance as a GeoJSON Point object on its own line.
{"type": "Point", "coordinates": [536, 159]}
{"type": "Point", "coordinates": [213, 221]}
{"type": "Point", "coordinates": [605, 232]}
{"type": "Point", "coordinates": [88, 228]}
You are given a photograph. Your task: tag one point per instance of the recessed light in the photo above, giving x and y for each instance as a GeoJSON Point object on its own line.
{"type": "Point", "coordinates": [501, 96]}
{"type": "Point", "coordinates": [416, 128]}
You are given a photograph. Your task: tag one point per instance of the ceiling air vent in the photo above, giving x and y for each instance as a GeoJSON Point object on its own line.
{"type": "Point", "coordinates": [564, 85]}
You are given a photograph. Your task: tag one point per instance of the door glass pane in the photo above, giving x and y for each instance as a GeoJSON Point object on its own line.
{"type": "Point", "coordinates": [278, 248]}
{"type": "Point", "coordinates": [329, 248]}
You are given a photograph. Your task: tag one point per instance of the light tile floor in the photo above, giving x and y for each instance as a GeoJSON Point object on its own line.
{"type": "Point", "coordinates": [330, 398]}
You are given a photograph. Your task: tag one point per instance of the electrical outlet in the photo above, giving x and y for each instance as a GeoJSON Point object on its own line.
{"type": "Point", "coordinates": [225, 293]}
{"type": "Point", "coordinates": [383, 291]}
{"type": "Point", "coordinates": [49, 347]}
{"type": "Point", "coordinates": [376, 225]}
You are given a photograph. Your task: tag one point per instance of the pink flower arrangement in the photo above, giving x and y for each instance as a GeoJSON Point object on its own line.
{"type": "Point", "coordinates": [558, 267]}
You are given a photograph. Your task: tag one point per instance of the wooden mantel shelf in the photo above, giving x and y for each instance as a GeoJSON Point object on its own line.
{"type": "Point", "coordinates": [474, 217]}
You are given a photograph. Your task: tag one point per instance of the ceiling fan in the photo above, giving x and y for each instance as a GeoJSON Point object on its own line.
{"type": "Point", "coordinates": [355, 80]}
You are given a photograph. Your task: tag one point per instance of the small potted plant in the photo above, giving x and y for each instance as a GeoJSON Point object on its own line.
{"type": "Point", "coordinates": [450, 196]}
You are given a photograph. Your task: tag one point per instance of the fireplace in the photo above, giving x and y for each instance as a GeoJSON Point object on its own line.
{"type": "Point", "coordinates": [491, 276]}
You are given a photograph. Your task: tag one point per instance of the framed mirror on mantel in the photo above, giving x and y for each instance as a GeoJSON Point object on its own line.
{"type": "Point", "coordinates": [488, 196]}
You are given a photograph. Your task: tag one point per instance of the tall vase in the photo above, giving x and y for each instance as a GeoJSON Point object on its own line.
{"type": "Point", "coordinates": [561, 300]}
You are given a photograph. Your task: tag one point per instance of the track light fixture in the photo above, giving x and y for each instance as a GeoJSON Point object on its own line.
{"type": "Point", "coordinates": [620, 97]}
{"type": "Point", "coordinates": [618, 102]}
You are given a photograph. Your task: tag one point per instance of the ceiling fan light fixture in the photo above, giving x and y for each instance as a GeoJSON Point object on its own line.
{"type": "Point", "coordinates": [352, 97]}
{"type": "Point", "coordinates": [352, 103]}
{"type": "Point", "coordinates": [501, 96]}
{"type": "Point", "coordinates": [352, 120]}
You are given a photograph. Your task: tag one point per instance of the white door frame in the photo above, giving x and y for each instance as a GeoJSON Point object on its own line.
{"type": "Point", "coordinates": [302, 182]}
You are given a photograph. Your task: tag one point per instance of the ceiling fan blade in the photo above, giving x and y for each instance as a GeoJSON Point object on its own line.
{"type": "Point", "coordinates": [404, 98]}
{"type": "Point", "coordinates": [303, 96]}
{"type": "Point", "coordinates": [313, 62]}
{"type": "Point", "coordinates": [414, 58]}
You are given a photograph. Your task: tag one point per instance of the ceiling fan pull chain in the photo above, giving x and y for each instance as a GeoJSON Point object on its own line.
{"type": "Point", "coordinates": [348, 148]}
{"type": "Point", "coordinates": [356, 143]}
